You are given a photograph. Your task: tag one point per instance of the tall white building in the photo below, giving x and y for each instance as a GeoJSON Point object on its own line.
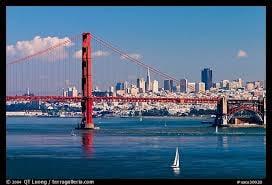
{"type": "Point", "coordinates": [141, 85]}
{"type": "Point", "coordinates": [200, 87]}
{"type": "Point", "coordinates": [155, 86]}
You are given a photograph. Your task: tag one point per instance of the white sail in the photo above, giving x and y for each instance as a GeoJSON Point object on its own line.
{"type": "Point", "coordinates": [216, 129]}
{"type": "Point", "coordinates": [176, 161]}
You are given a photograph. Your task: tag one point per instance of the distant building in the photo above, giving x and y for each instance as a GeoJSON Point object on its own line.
{"type": "Point", "coordinates": [240, 81]}
{"type": "Point", "coordinates": [141, 85]}
{"type": "Point", "coordinates": [200, 87]}
{"type": "Point", "coordinates": [257, 84]}
{"type": "Point", "coordinates": [148, 82]}
{"type": "Point", "coordinates": [167, 85]}
{"type": "Point", "coordinates": [111, 89]}
{"type": "Point", "coordinates": [223, 84]}
{"type": "Point", "coordinates": [125, 85]}
{"type": "Point", "coordinates": [250, 86]}
{"type": "Point", "coordinates": [206, 77]}
{"type": "Point", "coordinates": [71, 92]}
{"type": "Point", "coordinates": [216, 85]}
{"type": "Point", "coordinates": [155, 86]}
{"type": "Point", "coordinates": [176, 88]}
{"type": "Point", "coordinates": [171, 85]}
{"type": "Point", "coordinates": [183, 85]}
{"type": "Point", "coordinates": [191, 87]}
{"type": "Point", "coordinates": [121, 92]}
{"type": "Point", "coordinates": [134, 90]}
{"type": "Point", "coordinates": [120, 86]}
{"type": "Point", "coordinates": [28, 92]}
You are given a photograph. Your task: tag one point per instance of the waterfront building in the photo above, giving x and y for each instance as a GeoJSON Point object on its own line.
{"type": "Point", "coordinates": [206, 77]}
{"type": "Point", "coordinates": [184, 85]}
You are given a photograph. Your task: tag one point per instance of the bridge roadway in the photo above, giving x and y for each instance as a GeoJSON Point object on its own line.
{"type": "Point", "coordinates": [115, 99]}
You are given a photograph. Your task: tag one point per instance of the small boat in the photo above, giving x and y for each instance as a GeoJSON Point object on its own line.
{"type": "Point", "coordinates": [216, 129]}
{"type": "Point", "coordinates": [176, 161]}
{"type": "Point", "coordinates": [165, 124]}
{"type": "Point", "coordinates": [141, 118]}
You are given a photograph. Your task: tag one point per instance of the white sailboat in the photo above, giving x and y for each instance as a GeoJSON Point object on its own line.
{"type": "Point", "coordinates": [216, 129]}
{"type": "Point", "coordinates": [176, 161]}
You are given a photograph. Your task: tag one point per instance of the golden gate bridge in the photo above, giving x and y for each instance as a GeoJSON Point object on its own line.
{"type": "Point", "coordinates": [34, 70]}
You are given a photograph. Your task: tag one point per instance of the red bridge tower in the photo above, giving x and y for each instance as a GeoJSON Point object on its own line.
{"type": "Point", "coordinates": [87, 97]}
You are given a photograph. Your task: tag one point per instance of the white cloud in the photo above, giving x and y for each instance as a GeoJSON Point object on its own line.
{"type": "Point", "coordinates": [99, 53]}
{"type": "Point", "coordinates": [29, 47]}
{"type": "Point", "coordinates": [242, 54]}
{"type": "Point", "coordinates": [78, 54]}
{"type": "Point", "coordinates": [132, 55]}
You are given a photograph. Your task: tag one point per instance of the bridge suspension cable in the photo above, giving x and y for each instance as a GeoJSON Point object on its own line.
{"type": "Point", "coordinates": [73, 38]}
{"type": "Point", "coordinates": [125, 55]}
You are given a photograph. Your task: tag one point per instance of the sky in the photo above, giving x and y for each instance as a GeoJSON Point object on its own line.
{"type": "Point", "coordinates": [179, 41]}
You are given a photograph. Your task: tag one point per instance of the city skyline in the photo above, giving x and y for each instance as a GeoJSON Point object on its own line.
{"type": "Point", "coordinates": [241, 52]}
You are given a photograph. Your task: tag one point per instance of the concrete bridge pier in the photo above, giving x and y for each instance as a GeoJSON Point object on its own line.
{"type": "Point", "coordinates": [264, 117]}
{"type": "Point", "coordinates": [222, 112]}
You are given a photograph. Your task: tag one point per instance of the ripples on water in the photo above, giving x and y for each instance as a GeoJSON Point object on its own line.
{"type": "Point", "coordinates": [133, 148]}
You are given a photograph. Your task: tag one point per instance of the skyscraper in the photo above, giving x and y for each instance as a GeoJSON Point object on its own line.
{"type": "Point", "coordinates": [148, 82]}
{"type": "Point", "coordinates": [183, 85]}
{"type": "Point", "coordinates": [171, 85]}
{"type": "Point", "coordinates": [166, 85]}
{"type": "Point", "coordinates": [206, 77]}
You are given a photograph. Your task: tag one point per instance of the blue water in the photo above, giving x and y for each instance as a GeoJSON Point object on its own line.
{"type": "Point", "coordinates": [128, 148]}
